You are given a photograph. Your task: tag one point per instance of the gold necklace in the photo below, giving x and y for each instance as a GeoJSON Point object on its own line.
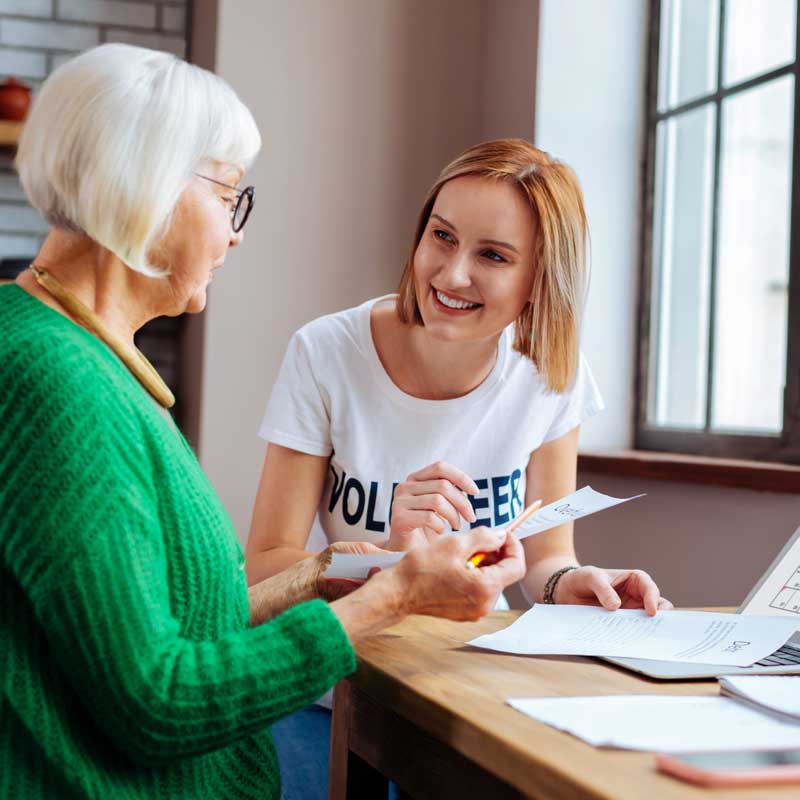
{"type": "Point", "coordinates": [132, 357]}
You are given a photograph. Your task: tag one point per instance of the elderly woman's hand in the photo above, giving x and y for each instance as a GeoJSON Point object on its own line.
{"type": "Point", "coordinates": [333, 588]}
{"type": "Point", "coordinates": [302, 581]}
{"type": "Point", "coordinates": [436, 580]}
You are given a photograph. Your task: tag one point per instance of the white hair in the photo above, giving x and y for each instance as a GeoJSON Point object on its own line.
{"type": "Point", "coordinates": [114, 136]}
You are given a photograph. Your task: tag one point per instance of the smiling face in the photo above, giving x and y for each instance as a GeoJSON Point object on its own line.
{"type": "Point", "coordinates": [474, 265]}
{"type": "Point", "coordinates": [199, 237]}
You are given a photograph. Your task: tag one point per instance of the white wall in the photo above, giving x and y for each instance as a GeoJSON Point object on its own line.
{"type": "Point", "coordinates": [590, 113]}
{"type": "Point", "coordinates": [360, 103]}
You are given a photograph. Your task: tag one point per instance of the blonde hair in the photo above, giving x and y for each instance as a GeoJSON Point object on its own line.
{"type": "Point", "coordinates": [548, 329]}
{"type": "Point", "coordinates": [114, 136]}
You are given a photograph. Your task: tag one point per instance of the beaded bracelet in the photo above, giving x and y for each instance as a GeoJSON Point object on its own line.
{"type": "Point", "coordinates": [552, 582]}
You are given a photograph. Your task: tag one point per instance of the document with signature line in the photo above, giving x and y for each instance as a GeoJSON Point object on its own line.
{"type": "Point", "coordinates": [694, 637]}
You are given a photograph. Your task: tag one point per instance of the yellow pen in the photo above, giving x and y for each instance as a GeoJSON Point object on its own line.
{"type": "Point", "coordinates": [478, 558]}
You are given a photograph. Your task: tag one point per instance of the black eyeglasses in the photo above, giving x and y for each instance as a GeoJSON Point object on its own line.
{"type": "Point", "coordinates": [245, 200]}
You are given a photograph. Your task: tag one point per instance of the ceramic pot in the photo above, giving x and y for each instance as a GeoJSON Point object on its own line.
{"type": "Point", "coordinates": [15, 99]}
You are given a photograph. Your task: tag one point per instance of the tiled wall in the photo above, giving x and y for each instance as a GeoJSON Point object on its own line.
{"type": "Point", "coordinates": [36, 36]}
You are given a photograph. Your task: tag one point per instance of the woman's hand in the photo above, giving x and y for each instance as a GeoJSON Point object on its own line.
{"type": "Point", "coordinates": [333, 588]}
{"type": "Point", "coordinates": [611, 589]}
{"type": "Point", "coordinates": [435, 580]}
{"type": "Point", "coordinates": [427, 502]}
{"type": "Point", "coordinates": [304, 580]}
{"type": "Point", "coordinates": [438, 581]}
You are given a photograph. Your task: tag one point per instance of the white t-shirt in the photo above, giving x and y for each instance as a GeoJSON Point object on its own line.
{"type": "Point", "coordinates": [334, 398]}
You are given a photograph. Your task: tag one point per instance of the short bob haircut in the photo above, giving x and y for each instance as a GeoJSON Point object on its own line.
{"type": "Point", "coordinates": [113, 138]}
{"type": "Point", "coordinates": [548, 329]}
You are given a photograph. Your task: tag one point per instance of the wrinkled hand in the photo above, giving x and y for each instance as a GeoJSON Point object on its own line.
{"type": "Point", "coordinates": [611, 589]}
{"type": "Point", "coordinates": [333, 588]}
{"type": "Point", "coordinates": [427, 502]}
{"type": "Point", "coordinates": [436, 580]}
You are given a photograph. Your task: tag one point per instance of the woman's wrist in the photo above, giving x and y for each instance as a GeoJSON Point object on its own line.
{"type": "Point", "coordinates": [549, 591]}
{"type": "Point", "coordinates": [378, 604]}
{"type": "Point", "coordinates": [296, 584]}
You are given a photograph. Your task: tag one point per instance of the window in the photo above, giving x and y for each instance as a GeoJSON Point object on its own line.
{"type": "Point", "coordinates": [719, 344]}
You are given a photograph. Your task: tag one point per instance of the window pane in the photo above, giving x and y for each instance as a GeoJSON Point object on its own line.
{"type": "Point", "coordinates": [753, 259]}
{"type": "Point", "coordinates": [688, 51]}
{"type": "Point", "coordinates": [759, 36]}
{"type": "Point", "coordinates": [681, 257]}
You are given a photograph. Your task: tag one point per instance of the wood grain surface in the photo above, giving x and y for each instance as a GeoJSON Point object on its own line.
{"type": "Point", "coordinates": [420, 694]}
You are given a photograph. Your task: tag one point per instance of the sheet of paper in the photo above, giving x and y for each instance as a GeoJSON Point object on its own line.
{"type": "Point", "coordinates": [357, 566]}
{"type": "Point", "coordinates": [662, 723]}
{"type": "Point", "coordinates": [693, 637]}
{"type": "Point", "coordinates": [574, 506]}
{"type": "Point", "coordinates": [779, 693]}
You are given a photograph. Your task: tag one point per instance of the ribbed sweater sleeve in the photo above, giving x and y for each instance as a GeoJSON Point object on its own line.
{"type": "Point", "coordinates": [162, 697]}
{"type": "Point", "coordinates": [84, 536]}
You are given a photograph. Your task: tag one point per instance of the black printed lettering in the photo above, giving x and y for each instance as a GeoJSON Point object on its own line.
{"type": "Point", "coordinates": [353, 485]}
{"type": "Point", "coordinates": [391, 501]}
{"type": "Point", "coordinates": [479, 503]}
{"type": "Point", "coordinates": [372, 524]}
{"type": "Point", "coordinates": [500, 499]}
{"type": "Point", "coordinates": [336, 489]}
{"type": "Point", "coordinates": [516, 500]}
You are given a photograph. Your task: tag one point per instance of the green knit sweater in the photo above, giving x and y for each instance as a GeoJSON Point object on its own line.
{"type": "Point", "coordinates": [128, 666]}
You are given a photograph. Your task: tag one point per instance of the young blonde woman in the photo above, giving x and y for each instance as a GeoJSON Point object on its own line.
{"type": "Point", "coordinates": [452, 404]}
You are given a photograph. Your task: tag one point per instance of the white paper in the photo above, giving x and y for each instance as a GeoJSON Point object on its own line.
{"type": "Point", "coordinates": [574, 506]}
{"type": "Point", "coordinates": [779, 693]}
{"type": "Point", "coordinates": [692, 637]}
{"type": "Point", "coordinates": [662, 723]}
{"type": "Point", "coordinates": [356, 566]}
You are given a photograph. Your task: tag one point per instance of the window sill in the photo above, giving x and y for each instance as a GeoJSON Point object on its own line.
{"type": "Point", "coordinates": [759, 475]}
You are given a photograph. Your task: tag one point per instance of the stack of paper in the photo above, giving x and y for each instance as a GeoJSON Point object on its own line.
{"type": "Point", "coordinates": [775, 694]}
{"type": "Point", "coordinates": [662, 723]}
{"type": "Point", "coordinates": [693, 637]}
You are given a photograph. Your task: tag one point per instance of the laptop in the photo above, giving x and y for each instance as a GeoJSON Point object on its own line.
{"type": "Point", "coordinates": [776, 593]}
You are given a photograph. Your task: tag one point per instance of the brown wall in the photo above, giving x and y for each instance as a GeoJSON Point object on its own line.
{"type": "Point", "coordinates": [705, 545]}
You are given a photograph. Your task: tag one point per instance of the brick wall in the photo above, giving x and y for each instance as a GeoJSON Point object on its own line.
{"type": "Point", "coordinates": [36, 36]}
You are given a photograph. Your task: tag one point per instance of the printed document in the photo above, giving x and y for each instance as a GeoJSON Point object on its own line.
{"type": "Point", "coordinates": [694, 637]}
{"type": "Point", "coordinates": [662, 723]}
{"type": "Point", "coordinates": [574, 506]}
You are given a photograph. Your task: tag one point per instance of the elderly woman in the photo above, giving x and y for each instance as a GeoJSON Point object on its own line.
{"type": "Point", "coordinates": [136, 663]}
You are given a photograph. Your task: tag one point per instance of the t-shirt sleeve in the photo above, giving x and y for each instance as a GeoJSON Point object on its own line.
{"type": "Point", "coordinates": [578, 404]}
{"type": "Point", "coordinates": [298, 411]}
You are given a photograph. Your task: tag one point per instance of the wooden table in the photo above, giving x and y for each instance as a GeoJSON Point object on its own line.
{"type": "Point", "coordinates": [429, 712]}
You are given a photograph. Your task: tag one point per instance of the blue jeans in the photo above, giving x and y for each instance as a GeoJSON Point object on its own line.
{"type": "Point", "coordinates": [303, 742]}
